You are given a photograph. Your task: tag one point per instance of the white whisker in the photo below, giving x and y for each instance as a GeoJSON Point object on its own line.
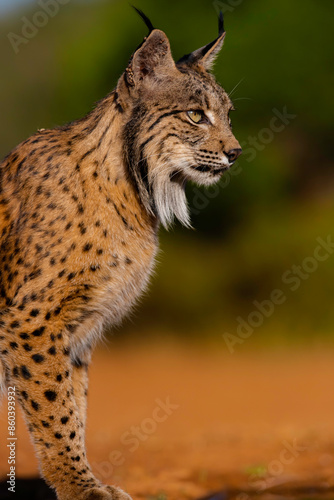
{"type": "Point", "coordinates": [243, 99]}
{"type": "Point", "coordinates": [235, 88]}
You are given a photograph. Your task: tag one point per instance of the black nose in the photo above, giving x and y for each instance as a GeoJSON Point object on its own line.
{"type": "Point", "coordinates": [233, 154]}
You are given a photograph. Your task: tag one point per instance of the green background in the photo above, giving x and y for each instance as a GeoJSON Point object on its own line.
{"type": "Point", "coordinates": [262, 220]}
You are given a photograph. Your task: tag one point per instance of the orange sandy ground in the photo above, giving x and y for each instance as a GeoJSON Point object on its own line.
{"type": "Point", "coordinates": [236, 419]}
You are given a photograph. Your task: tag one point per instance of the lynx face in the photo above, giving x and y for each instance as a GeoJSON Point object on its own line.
{"type": "Point", "coordinates": [177, 124]}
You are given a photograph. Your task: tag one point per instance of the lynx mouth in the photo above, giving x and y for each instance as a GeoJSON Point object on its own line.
{"type": "Point", "coordinates": [210, 174]}
{"type": "Point", "coordinates": [211, 170]}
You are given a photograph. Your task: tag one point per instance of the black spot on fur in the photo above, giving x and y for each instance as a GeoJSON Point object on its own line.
{"type": "Point", "coordinates": [82, 228]}
{"type": "Point", "coordinates": [39, 331]}
{"type": "Point", "coordinates": [87, 247]}
{"type": "Point", "coordinates": [38, 358]}
{"type": "Point", "coordinates": [24, 394]}
{"type": "Point", "coordinates": [50, 395]}
{"type": "Point", "coordinates": [25, 372]}
{"type": "Point", "coordinates": [35, 405]}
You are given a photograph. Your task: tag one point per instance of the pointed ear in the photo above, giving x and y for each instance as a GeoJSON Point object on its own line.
{"type": "Point", "coordinates": [152, 57]}
{"type": "Point", "coordinates": [205, 56]}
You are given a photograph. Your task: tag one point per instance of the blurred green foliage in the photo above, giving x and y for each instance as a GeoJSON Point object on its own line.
{"type": "Point", "coordinates": [262, 220]}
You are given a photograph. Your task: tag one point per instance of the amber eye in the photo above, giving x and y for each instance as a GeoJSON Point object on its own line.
{"type": "Point", "coordinates": [196, 116]}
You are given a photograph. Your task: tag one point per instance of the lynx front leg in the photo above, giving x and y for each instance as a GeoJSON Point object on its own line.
{"type": "Point", "coordinates": [43, 378]}
{"type": "Point", "coordinates": [80, 383]}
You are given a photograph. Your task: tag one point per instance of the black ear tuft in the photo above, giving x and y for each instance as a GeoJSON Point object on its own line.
{"type": "Point", "coordinates": [205, 56]}
{"type": "Point", "coordinates": [144, 18]}
{"type": "Point", "coordinates": [221, 28]}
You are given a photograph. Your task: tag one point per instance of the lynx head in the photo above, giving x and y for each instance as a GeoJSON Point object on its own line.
{"type": "Point", "coordinates": [177, 125]}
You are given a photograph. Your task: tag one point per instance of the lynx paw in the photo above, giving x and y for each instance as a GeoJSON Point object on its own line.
{"type": "Point", "coordinates": [117, 493]}
{"type": "Point", "coordinates": [107, 493]}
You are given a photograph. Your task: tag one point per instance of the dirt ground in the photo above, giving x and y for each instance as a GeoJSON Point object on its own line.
{"type": "Point", "coordinates": [177, 424]}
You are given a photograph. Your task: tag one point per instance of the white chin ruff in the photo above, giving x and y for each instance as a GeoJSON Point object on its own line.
{"type": "Point", "coordinates": [170, 201]}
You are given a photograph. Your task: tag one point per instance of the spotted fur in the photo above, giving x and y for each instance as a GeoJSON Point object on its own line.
{"type": "Point", "coordinates": [80, 208]}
